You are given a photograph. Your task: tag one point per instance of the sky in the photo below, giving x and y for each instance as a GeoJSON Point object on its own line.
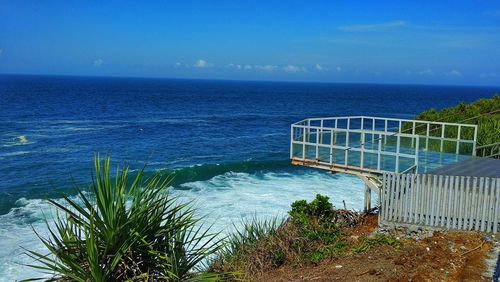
{"type": "Point", "coordinates": [404, 42]}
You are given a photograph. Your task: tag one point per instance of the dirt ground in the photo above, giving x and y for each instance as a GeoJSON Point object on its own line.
{"type": "Point", "coordinates": [451, 256]}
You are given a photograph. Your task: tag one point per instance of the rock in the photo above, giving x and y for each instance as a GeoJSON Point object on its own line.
{"type": "Point", "coordinates": [372, 271]}
{"type": "Point", "coordinates": [413, 229]}
{"type": "Point", "coordinates": [338, 266]}
{"type": "Point", "coordinates": [400, 260]}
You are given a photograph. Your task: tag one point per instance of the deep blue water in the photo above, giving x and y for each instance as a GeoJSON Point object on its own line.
{"type": "Point", "coordinates": [226, 141]}
{"type": "Point", "coordinates": [173, 123]}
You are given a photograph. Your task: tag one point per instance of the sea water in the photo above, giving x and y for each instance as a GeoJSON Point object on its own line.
{"type": "Point", "coordinates": [226, 141]}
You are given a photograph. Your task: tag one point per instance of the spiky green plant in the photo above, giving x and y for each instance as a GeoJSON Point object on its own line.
{"type": "Point", "coordinates": [124, 229]}
{"type": "Point", "coordinates": [252, 231]}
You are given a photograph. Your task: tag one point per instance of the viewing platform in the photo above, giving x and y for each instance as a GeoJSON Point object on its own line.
{"type": "Point", "coordinates": [373, 145]}
{"type": "Point", "coordinates": [425, 173]}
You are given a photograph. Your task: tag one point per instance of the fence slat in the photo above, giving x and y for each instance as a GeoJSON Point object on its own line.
{"type": "Point", "coordinates": [461, 205]}
{"type": "Point", "coordinates": [391, 197]}
{"type": "Point", "coordinates": [445, 200]}
{"type": "Point", "coordinates": [396, 198]}
{"type": "Point", "coordinates": [433, 203]}
{"type": "Point", "coordinates": [467, 207]}
{"type": "Point", "coordinates": [407, 197]}
{"type": "Point", "coordinates": [383, 205]}
{"type": "Point", "coordinates": [401, 197]}
{"type": "Point", "coordinates": [437, 209]}
{"type": "Point", "coordinates": [387, 196]}
{"type": "Point", "coordinates": [473, 205]}
{"type": "Point", "coordinates": [491, 208]}
{"type": "Point", "coordinates": [416, 199]}
{"type": "Point", "coordinates": [428, 200]}
{"type": "Point", "coordinates": [450, 202]}
{"type": "Point", "coordinates": [495, 219]}
{"type": "Point", "coordinates": [485, 203]}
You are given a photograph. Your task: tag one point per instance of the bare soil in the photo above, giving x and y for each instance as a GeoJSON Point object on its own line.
{"type": "Point", "coordinates": [450, 256]}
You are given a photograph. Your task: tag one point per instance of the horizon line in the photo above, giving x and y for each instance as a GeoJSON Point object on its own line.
{"type": "Point", "coordinates": [250, 80]}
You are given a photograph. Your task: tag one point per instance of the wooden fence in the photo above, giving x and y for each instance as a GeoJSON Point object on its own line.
{"type": "Point", "coordinates": [441, 201]}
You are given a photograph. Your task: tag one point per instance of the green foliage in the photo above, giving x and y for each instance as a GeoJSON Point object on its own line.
{"type": "Point", "coordinates": [278, 258]}
{"type": "Point", "coordinates": [320, 208]}
{"type": "Point", "coordinates": [484, 112]}
{"type": "Point", "coordinates": [314, 232]}
{"type": "Point", "coordinates": [329, 251]}
{"type": "Point", "coordinates": [368, 243]}
{"type": "Point", "coordinates": [125, 229]}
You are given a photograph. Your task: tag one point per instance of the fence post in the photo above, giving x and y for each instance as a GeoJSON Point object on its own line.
{"type": "Point", "coordinates": [368, 198]}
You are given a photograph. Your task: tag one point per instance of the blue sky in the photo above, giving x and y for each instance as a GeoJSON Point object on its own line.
{"type": "Point", "coordinates": [424, 42]}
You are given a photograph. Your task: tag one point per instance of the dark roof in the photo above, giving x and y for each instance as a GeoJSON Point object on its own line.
{"type": "Point", "coordinates": [472, 167]}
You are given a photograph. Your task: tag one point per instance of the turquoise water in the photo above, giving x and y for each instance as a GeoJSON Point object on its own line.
{"type": "Point", "coordinates": [226, 141]}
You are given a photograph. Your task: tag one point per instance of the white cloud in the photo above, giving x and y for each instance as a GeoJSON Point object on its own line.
{"type": "Point", "coordinates": [318, 67]}
{"type": "Point", "coordinates": [235, 66]}
{"type": "Point", "coordinates": [453, 73]}
{"type": "Point", "coordinates": [98, 63]}
{"type": "Point", "coordinates": [494, 13]}
{"type": "Point", "coordinates": [266, 68]}
{"type": "Point", "coordinates": [247, 67]}
{"type": "Point", "coordinates": [201, 64]}
{"type": "Point", "coordinates": [426, 72]}
{"type": "Point", "coordinates": [293, 69]}
{"type": "Point", "coordinates": [373, 27]}
{"type": "Point", "coordinates": [490, 75]}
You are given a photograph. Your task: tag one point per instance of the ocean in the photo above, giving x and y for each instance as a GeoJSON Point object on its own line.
{"type": "Point", "coordinates": [226, 141]}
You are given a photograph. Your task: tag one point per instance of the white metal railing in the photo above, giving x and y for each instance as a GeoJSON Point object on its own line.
{"type": "Point", "coordinates": [489, 151]}
{"type": "Point", "coordinates": [375, 144]}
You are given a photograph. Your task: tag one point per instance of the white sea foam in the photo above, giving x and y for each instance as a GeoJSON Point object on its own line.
{"type": "Point", "coordinates": [13, 154]}
{"type": "Point", "coordinates": [224, 199]}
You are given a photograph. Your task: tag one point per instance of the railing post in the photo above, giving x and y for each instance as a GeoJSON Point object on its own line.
{"type": "Point", "coordinates": [474, 144]}
{"type": "Point", "coordinates": [304, 143]}
{"type": "Point", "coordinates": [458, 139]}
{"type": "Point", "coordinates": [291, 141]}
{"type": "Point", "coordinates": [417, 150]}
{"type": "Point", "coordinates": [317, 144]}
{"type": "Point", "coordinates": [308, 130]}
{"type": "Point", "coordinates": [427, 136]}
{"type": "Point", "coordinates": [442, 137]}
{"type": "Point", "coordinates": [398, 143]}
{"type": "Point", "coordinates": [373, 129]}
{"type": "Point", "coordinates": [379, 151]}
{"type": "Point", "coordinates": [362, 153]}
{"type": "Point", "coordinates": [385, 129]}
{"type": "Point", "coordinates": [321, 136]}
{"type": "Point", "coordinates": [346, 162]}
{"type": "Point", "coordinates": [331, 147]}
{"type": "Point", "coordinates": [346, 150]}
{"type": "Point", "coordinates": [413, 132]}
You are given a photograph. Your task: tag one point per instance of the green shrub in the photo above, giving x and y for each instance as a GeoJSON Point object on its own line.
{"type": "Point", "coordinates": [320, 208]}
{"type": "Point", "coordinates": [124, 229]}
